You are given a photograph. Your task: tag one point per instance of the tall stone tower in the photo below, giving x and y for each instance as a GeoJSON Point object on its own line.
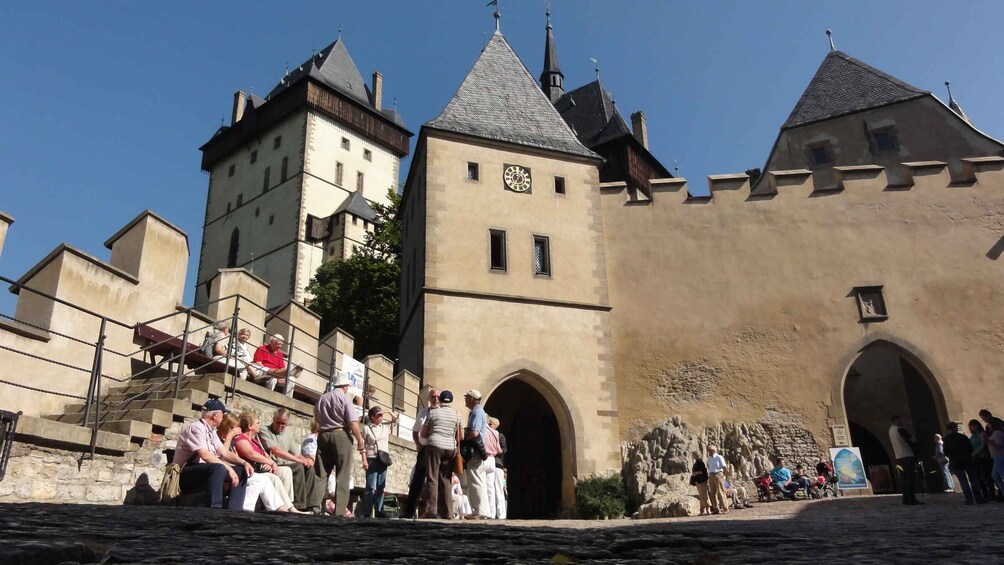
{"type": "Point", "coordinates": [292, 177]}
{"type": "Point", "coordinates": [504, 285]}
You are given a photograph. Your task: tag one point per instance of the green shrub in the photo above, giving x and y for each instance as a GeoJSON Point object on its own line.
{"type": "Point", "coordinates": [600, 497]}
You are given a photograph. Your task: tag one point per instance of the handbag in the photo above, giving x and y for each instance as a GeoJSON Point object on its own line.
{"type": "Point", "coordinates": [458, 463]}
{"type": "Point", "coordinates": [384, 458]}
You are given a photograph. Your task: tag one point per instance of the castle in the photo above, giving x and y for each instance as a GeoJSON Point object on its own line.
{"type": "Point", "coordinates": [552, 262]}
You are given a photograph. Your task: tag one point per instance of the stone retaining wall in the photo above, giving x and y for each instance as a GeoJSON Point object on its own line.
{"type": "Point", "coordinates": [43, 474]}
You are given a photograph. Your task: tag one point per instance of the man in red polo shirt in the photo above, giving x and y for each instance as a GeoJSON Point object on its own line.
{"type": "Point", "coordinates": [271, 358]}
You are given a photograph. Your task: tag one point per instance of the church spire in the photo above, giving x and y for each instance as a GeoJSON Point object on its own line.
{"type": "Point", "coordinates": [551, 78]}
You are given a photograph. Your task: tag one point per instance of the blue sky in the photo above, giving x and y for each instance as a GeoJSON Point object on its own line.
{"type": "Point", "coordinates": [105, 104]}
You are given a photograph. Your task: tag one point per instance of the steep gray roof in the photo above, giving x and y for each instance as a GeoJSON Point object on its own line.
{"type": "Point", "coordinates": [358, 206]}
{"type": "Point", "coordinates": [844, 85]}
{"type": "Point", "coordinates": [500, 100]}
{"type": "Point", "coordinates": [334, 67]}
{"type": "Point", "coordinates": [592, 114]}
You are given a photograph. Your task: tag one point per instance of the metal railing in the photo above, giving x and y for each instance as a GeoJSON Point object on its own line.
{"type": "Point", "coordinates": [176, 351]}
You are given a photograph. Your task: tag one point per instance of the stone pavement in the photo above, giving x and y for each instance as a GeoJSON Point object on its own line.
{"type": "Point", "coordinates": [858, 530]}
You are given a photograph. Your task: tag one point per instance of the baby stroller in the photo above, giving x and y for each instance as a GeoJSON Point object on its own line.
{"type": "Point", "coordinates": [826, 481]}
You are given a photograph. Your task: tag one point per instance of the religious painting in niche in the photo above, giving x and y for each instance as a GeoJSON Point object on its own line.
{"type": "Point", "coordinates": [516, 178]}
{"type": "Point", "coordinates": [871, 304]}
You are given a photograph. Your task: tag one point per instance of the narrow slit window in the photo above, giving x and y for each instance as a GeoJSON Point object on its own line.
{"type": "Point", "coordinates": [541, 255]}
{"type": "Point", "coordinates": [254, 157]}
{"type": "Point", "coordinates": [472, 171]}
{"type": "Point", "coordinates": [265, 179]}
{"type": "Point", "coordinates": [277, 143]}
{"type": "Point", "coordinates": [559, 185]}
{"type": "Point", "coordinates": [498, 253]}
{"type": "Point", "coordinates": [233, 168]}
{"type": "Point", "coordinates": [285, 169]}
{"type": "Point", "coordinates": [339, 173]}
{"type": "Point", "coordinates": [359, 181]}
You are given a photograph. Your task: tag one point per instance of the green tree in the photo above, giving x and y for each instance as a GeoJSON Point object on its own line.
{"type": "Point", "coordinates": [360, 294]}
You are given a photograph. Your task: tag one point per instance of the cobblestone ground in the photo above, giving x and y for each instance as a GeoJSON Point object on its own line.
{"type": "Point", "coordinates": [858, 530]}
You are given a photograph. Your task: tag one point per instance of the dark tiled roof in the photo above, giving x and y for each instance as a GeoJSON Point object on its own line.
{"type": "Point", "coordinates": [334, 67]}
{"type": "Point", "coordinates": [255, 102]}
{"type": "Point", "coordinates": [500, 100]}
{"type": "Point", "coordinates": [592, 114]}
{"type": "Point", "coordinates": [394, 116]}
{"type": "Point", "coordinates": [843, 85]}
{"type": "Point", "coordinates": [357, 205]}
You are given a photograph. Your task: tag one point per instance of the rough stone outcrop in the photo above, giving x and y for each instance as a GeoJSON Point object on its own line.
{"type": "Point", "coordinates": [657, 468]}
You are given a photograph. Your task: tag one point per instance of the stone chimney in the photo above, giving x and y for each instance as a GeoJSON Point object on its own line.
{"type": "Point", "coordinates": [239, 98]}
{"type": "Point", "coordinates": [640, 127]}
{"type": "Point", "coordinates": [377, 89]}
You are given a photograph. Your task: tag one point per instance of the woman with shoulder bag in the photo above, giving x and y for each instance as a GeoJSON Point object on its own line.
{"type": "Point", "coordinates": [375, 436]}
{"type": "Point", "coordinates": [699, 479]}
{"type": "Point", "coordinates": [442, 428]}
{"type": "Point", "coordinates": [250, 449]}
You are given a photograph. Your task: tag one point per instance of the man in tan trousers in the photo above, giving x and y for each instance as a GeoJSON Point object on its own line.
{"type": "Point", "coordinates": [716, 481]}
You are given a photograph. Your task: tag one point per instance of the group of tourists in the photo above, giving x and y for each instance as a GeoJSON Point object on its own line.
{"type": "Point", "coordinates": [976, 461]}
{"type": "Point", "coordinates": [459, 470]}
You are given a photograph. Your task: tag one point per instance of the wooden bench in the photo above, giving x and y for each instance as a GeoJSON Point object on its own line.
{"type": "Point", "coordinates": [168, 346]}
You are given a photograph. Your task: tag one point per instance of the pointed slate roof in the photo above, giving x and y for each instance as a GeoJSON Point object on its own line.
{"type": "Point", "coordinates": [357, 205]}
{"type": "Point", "coordinates": [500, 100]}
{"type": "Point", "coordinates": [592, 114]}
{"type": "Point", "coordinates": [844, 85]}
{"type": "Point", "coordinates": [332, 66]}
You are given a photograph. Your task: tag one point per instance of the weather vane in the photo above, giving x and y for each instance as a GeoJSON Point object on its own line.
{"type": "Point", "coordinates": [498, 15]}
{"type": "Point", "coordinates": [596, 64]}
{"type": "Point", "coordinates": [829, 35]}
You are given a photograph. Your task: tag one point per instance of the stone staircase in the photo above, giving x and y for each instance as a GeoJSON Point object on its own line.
{"type": "Point", "coordinates": [137, 409]}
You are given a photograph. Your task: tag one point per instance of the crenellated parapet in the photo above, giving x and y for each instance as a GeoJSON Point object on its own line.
{"type": "Point", "coordinates": [972, 172]}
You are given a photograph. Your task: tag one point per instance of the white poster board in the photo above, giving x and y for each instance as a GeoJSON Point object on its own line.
{"type": "Point", "coordinates": [356, 372]}
{"type": "Point", "coordinates": [405, 423]}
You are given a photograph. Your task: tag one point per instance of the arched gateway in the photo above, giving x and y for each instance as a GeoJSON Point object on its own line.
{"type": "Point", "coordinates": [886, 378]}
{"type": "Point", "coordinates": [540, 461]}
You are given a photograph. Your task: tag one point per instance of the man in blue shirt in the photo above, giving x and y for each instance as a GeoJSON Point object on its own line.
{"type": "Point", "coordinates": [781, 477]}
{"type": "Point", "coordinates": [477, 485]}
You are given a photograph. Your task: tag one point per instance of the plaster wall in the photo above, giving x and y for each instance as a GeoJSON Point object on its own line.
{"type": "Point", "coordinates": [268, 220]}
{"type": "Point", "coordinates": [739, 308]}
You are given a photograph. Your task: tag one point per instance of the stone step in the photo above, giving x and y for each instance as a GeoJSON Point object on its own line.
{"type": "Point", "coordinates": [155, 417]}
{"type": "Point", "coordinates": [179, 406]}
{"type": "Point", "coordinates": [61, 435]}
{"type": "Point", "coordinates": [131, 428]}
{"type": "Point", "coordinates": [196, 397]}
{"type": "Point", "coordinates": [135, 385]}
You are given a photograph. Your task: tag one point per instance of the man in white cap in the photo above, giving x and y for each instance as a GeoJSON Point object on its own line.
{"type": "Point", "coordinates": [477, 481]}
{"type": "Point", "coordinates": [336, 428]}
{"type": "Point", "coordinates": [271, 358]}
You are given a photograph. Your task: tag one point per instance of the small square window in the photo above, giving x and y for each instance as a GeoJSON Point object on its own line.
{"type": "Point", "coordinates": [884, 140]}
{"type": "Point", "coordinates": [230, 172]}
{"type": "Point", "coordinates": [541, 256]}
{"type": "Point", "coordinates": [367, 154]}
{"type": "Point", "coordinates": [366, 225]}
{"type": "Point", "coordinates": [277, 143]}
{"type": "Point", "coordinates": [559, 185]}
{"type": "Point", "coordinates": [254, 157]}
{"type": "Point", "coordinates": [346, 144]}
{"type": "Point", "coordinates": [496, 241]}
{"type": "Point", "coordinates": [820, 155]}
{"type": "Point", "coordinates": [472, 171]}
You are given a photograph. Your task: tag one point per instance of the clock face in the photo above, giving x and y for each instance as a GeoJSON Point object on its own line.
{"type": "Point", "coordinates": [517, 179]}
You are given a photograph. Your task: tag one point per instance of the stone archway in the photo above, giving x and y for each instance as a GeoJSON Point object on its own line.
{"type": "Point", "coordinates": [541, 452]}
{"type": "Point", "coordinates": [885, 378]}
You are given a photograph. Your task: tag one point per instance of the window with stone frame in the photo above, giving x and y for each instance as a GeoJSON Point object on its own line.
{"type": "Point", "coordinates": [541, 255]}
{"type": "Point", "coordinates": [346, 144]}
{"type": "Point", "coordinates": [339, 173]}
{"type": "Point", "coordinates": [360, 177]}
{"type": "Point", "coordinates": [367, 154]}
{"type": "Point", "coordinates": [472, 171]}
{"type": "Point", "coordinates": [497, 250]}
